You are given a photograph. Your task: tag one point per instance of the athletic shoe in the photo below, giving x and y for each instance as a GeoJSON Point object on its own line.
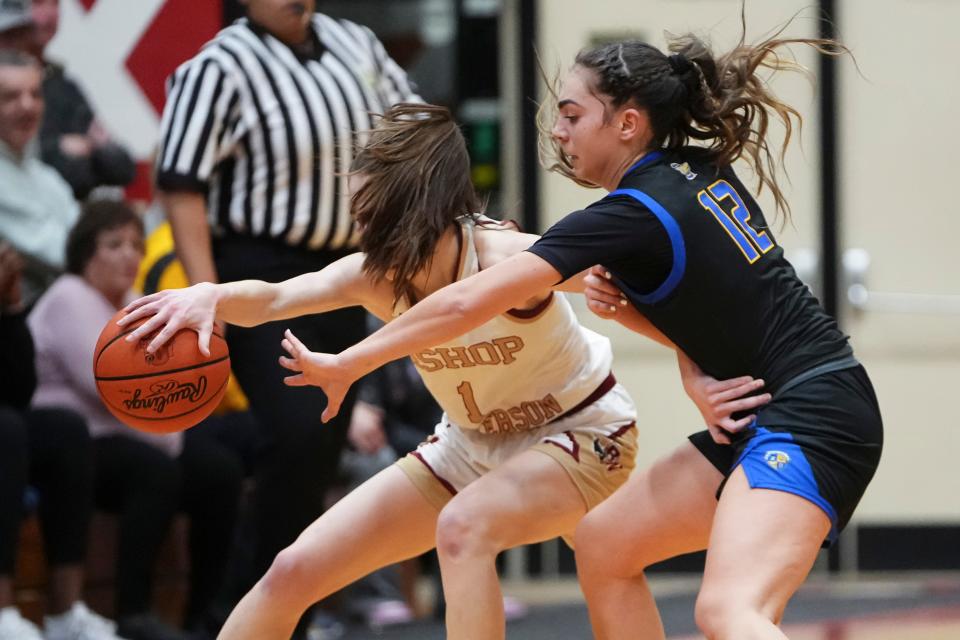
{"type": "Point", "coordinates": [14, 626]}
{"type": "Point", "coordinates": [79, 623]}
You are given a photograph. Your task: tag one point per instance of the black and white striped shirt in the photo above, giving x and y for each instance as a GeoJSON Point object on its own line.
{"type": "Point", "coordinates": [269, 136]}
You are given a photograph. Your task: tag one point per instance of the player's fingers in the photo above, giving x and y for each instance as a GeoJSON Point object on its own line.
{"type": "Point", "coordinates": [600, 270]}
{"type": "Point", "coordinates": [732, 391]}
{"type": "Point", "coordinates": [722, 385]}
{"type": "Point", "coordinates": [601, 284]}
{"type": "Point", "coordinates": [718, 435]}
{"type": "Point", "coordinates": [745, 404]}
{"type": "Point", "coordinates": [601, 309]}
{"type": "Point", "coordinates": [290, 363]}
{"type": "Point", "coordinates": [203, 339]}
{"type": "Point", "coordinates": [295, 381]}
{"type": "Point", "coordinates": [294, 340]}
{"type": "Point", "coordinates": [734, 426]}
{"type": "Point", "coordinates": [136, 304]}
{"type": "Point", "coordinates": [161, 338]}
{"type": "Point", "coordinates": [288, 347]}
{"type": "Point", "coordinates": [603, 296]}
{"type": "Point", "coordinates": [144, 311]}
{"type": "Point", "coordinates": [333, 408]}
{"type": "Point", "coordinates": [148, 327]}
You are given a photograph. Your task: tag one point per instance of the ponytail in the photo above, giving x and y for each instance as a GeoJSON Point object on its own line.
{"type": "Point", "coordinates": [722, 102]}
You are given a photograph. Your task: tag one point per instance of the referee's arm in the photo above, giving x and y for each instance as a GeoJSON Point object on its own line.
{"type": "Point", "coordinates": [187, 213]}
{"type": "Point", "coordinates": [186, 159]}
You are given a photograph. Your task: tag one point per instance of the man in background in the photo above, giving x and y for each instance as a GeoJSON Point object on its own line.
{"type": "Point", "coordinates": [16, 25]}
{"type": "Point", "coordinates": [37, 207]}
{"type": "Point", "coordinates": [72, 140]}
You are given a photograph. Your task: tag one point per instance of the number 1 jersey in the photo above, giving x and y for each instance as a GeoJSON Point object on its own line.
{"type": "Point", "coordinates": [518, 371]}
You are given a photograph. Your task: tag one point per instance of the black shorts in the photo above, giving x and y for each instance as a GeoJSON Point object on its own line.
{"type": "Point", "coordinates": [820, 439]}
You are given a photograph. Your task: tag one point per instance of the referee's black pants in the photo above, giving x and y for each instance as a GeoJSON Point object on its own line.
{"type": "Point", "coordinates": [300, 456]}
{"type": "Point", "coordinates": [50, 450]}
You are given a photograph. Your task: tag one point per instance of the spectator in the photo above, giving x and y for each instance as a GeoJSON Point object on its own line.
{"type": "Point", "coordinates": [146, 478]}
{"type": "Point", "coordinates": [36, 206]}
{"type": "Point", "coordinates": [72, 140]}
{"type": "Point", "coordinates": [254, 183]}
{"type": "Point", "coordinates": [16, 25]}
{"type": "Point", "coordinates": [50, 450]}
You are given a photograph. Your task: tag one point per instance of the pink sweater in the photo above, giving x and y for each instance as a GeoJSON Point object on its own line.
{"type": "Point", "coordinates": [65, 323]}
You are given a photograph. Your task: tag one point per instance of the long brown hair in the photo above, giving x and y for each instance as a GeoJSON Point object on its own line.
{"type": "Point", "coordinates": [721, 101]}
{"type": "Point", "coordinates": [417, 183]}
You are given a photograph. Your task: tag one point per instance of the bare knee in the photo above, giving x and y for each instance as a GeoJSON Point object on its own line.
{"type": "Point", "coordinates": [720, 616]}
{"type": "Point", "coordinates": [601, 553]}
{"type": "Point", "coordinates": [709, 613]}
{"type": "Point", "coordinates": [462, 533]}
{"type": "Point", "coordinates": [592, 554]}
{"type": "Point", "coordinates": [288, 580]}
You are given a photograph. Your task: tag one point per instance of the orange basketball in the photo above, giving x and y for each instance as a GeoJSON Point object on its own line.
{"type": "Point", "coordinates": [170, 390]}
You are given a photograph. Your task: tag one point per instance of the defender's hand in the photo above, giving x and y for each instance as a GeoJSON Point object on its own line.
{"type": "Point", "coordinates": [717, 400]}
{"type": "Point", "coordinates": [603, 297]}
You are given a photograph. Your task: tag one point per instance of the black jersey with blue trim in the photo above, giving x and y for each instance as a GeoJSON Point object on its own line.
{"type": "Point", "coordinates": [691, 249]}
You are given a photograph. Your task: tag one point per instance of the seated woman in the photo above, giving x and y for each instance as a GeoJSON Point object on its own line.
{"type": "Point", "coordinates": [145, 478]}
{"type": "Point", "coordinates": [48, 449]}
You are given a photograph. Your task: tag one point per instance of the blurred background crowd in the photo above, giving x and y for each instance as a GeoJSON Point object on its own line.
{"type": "Point", "coordinates": [124, 169]}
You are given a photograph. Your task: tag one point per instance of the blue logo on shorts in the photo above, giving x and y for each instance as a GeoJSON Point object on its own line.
{"type": "Point", "coordinates": [776, 459]}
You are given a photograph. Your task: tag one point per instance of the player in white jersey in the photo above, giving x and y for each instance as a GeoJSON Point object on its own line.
{"type": "Point", "coordinates": [536, 431]}
{"type": "Point", "coordinates": [532, 378]}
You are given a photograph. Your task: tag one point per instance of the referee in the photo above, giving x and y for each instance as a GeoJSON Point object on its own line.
{"type": "Point", "coordinates": [256, 139]}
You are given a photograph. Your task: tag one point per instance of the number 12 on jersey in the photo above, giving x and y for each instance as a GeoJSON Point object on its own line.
{"type": "Point", "coordinates": [736, 221]}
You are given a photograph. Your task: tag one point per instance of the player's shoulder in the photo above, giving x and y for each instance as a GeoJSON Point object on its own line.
{"type": "Point", "coordinates": [350, 282]}
{"type": "Point", "coordinates": [495, 241]}
{"type": "Point", "coordinates": [671, 181]}
{"type": "Point", "coordinates": [617, 208]}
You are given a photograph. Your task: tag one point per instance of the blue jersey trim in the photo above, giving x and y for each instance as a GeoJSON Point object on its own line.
{"type": "Point", "coordinates": [676, 241]}
{"type": "Point", "coordinates": [773, 460]}
{"type": "Point", "coordinates": [647, 159]}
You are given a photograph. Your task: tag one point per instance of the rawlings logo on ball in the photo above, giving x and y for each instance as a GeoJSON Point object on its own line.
{"type": "Point", "coordinates": [160, 394]}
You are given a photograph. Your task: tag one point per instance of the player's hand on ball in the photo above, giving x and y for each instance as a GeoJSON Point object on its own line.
{"type": "Point", "coordinates": [603, 297]}
{"type": "Point", "coordinates": [318, 369]}
{"type": "Point", "coordinates": [171, 310]}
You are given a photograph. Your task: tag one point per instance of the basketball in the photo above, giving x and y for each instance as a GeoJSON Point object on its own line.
{"type": "Point", "coordinates": [164, 392]}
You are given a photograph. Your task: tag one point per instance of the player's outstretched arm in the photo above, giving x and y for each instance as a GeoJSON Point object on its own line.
{"type": "Point", "coordinates": [511, 243]}
{"type": "Point", "coordinates": [442, 316]}
{"type": "Point", "coordinates": [246, 302]}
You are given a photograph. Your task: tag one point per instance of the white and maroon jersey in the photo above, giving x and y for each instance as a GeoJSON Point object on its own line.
{"type": "Point", "coordinates": [518, 371]}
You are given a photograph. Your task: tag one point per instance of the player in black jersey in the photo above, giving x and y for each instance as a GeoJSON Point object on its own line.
{"type": "Point", "coordinates": [699, 269]}
{"type": "Point", "coordinates": [686, 248]}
